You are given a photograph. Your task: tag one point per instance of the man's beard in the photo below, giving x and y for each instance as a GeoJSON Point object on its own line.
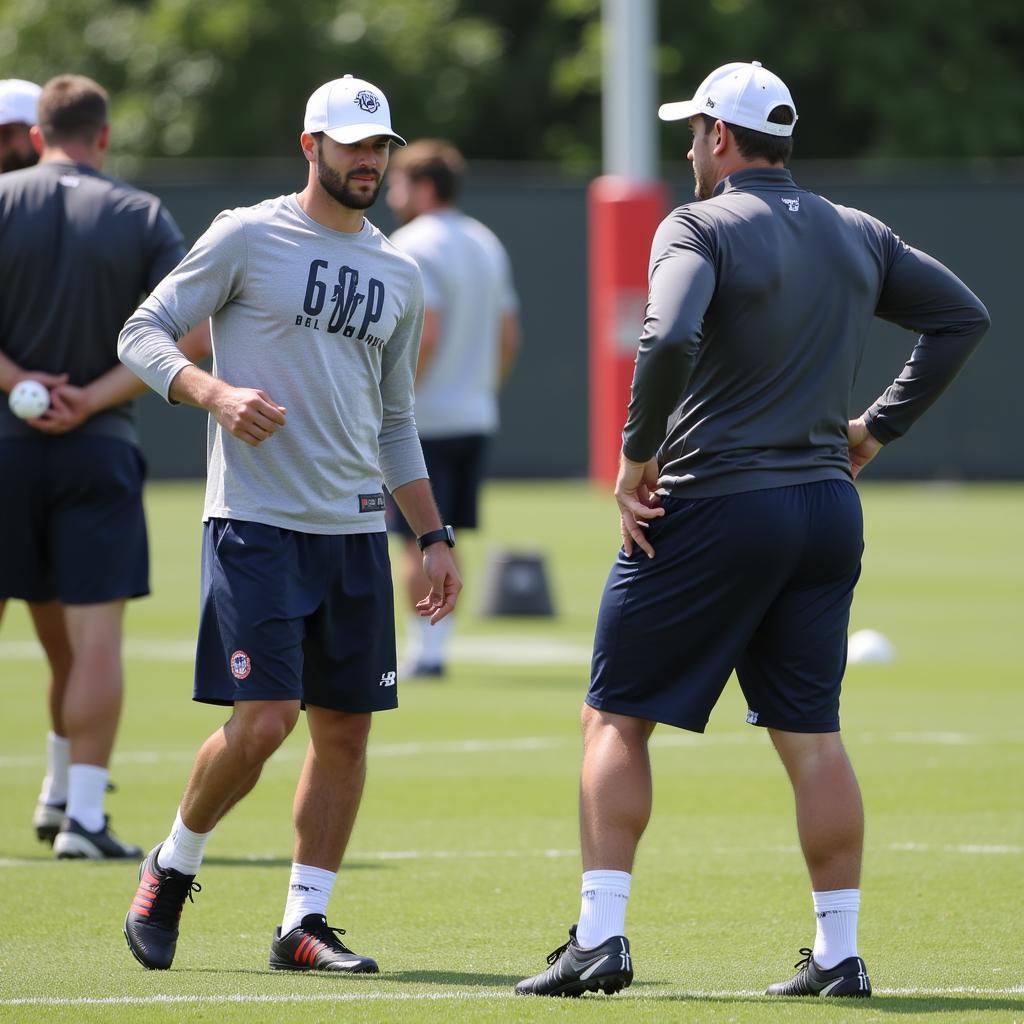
{"type": "Point", "coordinates": [701, 188]}
{"type": "Point", "coordinates": [337, 188]}
{"type": "Point", "coordinates": [16, 161]}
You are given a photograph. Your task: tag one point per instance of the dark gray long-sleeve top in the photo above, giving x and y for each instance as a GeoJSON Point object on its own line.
{"type": "Point", "coordinates": [759, 307]}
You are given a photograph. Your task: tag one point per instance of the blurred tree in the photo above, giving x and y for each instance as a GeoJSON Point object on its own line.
{"type": "Point", "coordinates": [521, 79]}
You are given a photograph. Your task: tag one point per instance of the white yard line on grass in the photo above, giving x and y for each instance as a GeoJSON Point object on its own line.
{"type": "Point", "coordinates": [454, 995]}
{"type": "Point", "coordinates": [473, 650]}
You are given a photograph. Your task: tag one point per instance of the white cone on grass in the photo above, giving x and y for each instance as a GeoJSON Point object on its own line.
{"type": "Point", "coordinates": [869, 647]}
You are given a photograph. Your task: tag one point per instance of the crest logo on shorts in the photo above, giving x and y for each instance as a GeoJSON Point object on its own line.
{"type": "Point", "coordinates": [241, 665]}
{"type": "Point", "coordinates": [367, 101]}
{"type": "Point", "coordinates": [751, 718]}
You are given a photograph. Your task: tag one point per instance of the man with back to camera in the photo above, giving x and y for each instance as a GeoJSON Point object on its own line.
{"type": "Point", "coordinates": [18, 101]}
{"type": "Point", "coordinates": [77, 251]}
{"type": "Point", "coordinates": [316, 322]}
{"type": "Point", "coordinates": [470, 340]}
{"type": "Point", "coordinates": [759, 305]}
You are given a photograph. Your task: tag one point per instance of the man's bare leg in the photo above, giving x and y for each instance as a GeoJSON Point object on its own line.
{"type": "Point", "coordinates": [830, 823]}
{"type": "Point", "coordinates": [229, 763]}
{"type": "Point", "coordinates": [325, 807]}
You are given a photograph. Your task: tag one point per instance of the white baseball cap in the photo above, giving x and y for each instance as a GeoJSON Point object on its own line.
{"type": "Point", "coordinates": [349, 110]}
{"type": "Point", "coordinates": [742, 94]}
{"type": "Point", "coordinates": [18, 101]}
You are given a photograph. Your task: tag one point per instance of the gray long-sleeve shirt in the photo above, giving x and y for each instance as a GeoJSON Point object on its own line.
{"type": "Point", "coordinates": [759, 306]}
{"type": "Point", "coordinates": [328, 324]}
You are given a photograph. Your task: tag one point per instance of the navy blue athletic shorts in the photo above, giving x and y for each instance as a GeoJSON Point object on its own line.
{"type": "Point", "coordinates": [455, 466]}
{"type": "Point", "coordinates": [71, 519]}
{"type": "Point", "coordinates": [286, 615]}
{"type": "Point", "coordinates": [760, 582]}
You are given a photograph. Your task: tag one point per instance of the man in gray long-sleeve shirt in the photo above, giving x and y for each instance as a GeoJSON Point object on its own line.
{"type": "Point", "coordinates": [316, 322]}
{"type": "Point", "coordinates": [737, 463]}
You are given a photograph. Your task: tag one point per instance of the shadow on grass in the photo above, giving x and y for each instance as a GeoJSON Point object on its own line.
{"type": "Point", "coordinates": [286, 862]}
{"type": "Point", "coordinates": [447, 978]}
{"type": "Point", "coordinates": [951, 1004]}
{"type": "Point", "coordinates": [452, 978]}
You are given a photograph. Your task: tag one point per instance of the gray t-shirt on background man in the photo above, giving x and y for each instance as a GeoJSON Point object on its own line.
{"type": "Point", "coordinates": [328, 324]}
{"type": "Point", "coordinates": [78, 250]}
{"type": "Point", "coordinates": [467, 281]}
{"type": "Point", "coordinates": [759, 307]}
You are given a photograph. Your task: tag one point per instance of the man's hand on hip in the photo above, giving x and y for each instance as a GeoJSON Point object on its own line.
{"type": "Point", "coordinates": [638, 502]}
{"type": "Point", "coordinates": [863, 445]}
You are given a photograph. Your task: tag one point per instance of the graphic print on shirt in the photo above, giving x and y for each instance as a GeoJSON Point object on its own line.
{"type": "Point", "coordinates": [345, 307]}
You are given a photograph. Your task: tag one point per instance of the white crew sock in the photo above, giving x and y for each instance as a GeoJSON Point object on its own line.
{"type": "Point", "coordinates": [309, 891]}
{"type": "Point", "coordinates": [58, 757]}
{"type": "Point", "coordinates": [183, 849]}
{"type": "Point", "coordinates": [836, 913]}
{"type": "Point", "coordinates": [425, 644]}
{"type": "Point", "coordinates": [603, 907]}
{"type": "Point", "coordinates": [434, 639]}
{"type": "Point", "coordinates": [87, 789]}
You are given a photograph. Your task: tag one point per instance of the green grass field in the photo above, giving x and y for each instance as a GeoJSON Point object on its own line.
{"type": "Point", "coordinates": [463, 871]}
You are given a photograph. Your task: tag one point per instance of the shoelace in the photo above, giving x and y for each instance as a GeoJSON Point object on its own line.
{"type": "Point", "coordinates": [807, 954]}
{"type": "Point", "coordinates": [556, 953]}
{"type": "Point", "coordinates": [324, 931]}
{"type": "Point", "coordinates": [170, 899]}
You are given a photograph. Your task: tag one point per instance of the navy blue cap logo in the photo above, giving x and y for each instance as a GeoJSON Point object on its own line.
{"type": "Point", "coordinates": [367, 101]}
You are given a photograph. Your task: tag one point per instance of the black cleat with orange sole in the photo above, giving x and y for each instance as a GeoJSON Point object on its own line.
{"type": "Point", "coordinates": [314, 946]}
{"type": "Point", "coordinates": [151, 925]}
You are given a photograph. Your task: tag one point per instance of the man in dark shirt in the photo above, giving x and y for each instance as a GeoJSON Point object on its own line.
{"type": "Point", "coordinates": [77, 250]}
{"type": "Point", "coordinates": [18, 101]}
{"type": "Point", "coordinates": [737, 463]}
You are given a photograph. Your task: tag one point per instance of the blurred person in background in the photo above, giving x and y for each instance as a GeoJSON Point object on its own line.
{"type": "Point", "coordinates": [77, 251]}
{"type": "Point", "coordinates": [18, 100]}
{"type": "Point", "coordinates": [470, 339]}
{"type": "Point", "coordinates": [741, 528]}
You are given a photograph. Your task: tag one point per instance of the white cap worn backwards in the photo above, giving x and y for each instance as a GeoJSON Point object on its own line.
{"type": "Point", "coordinates": [742, 94]}
{"type": "Point", "coordinates": [349, 110]}
{"type": "Point", "coordinates": [18, 101]}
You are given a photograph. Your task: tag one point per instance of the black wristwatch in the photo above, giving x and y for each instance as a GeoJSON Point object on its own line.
{"type": "Point", "coordinates": [446, 533]}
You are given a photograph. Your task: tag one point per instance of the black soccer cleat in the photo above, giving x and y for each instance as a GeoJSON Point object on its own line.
{"type": "Point", "coordinates": [314, 946]}
{"type": "Point", "coordinates": [849, 977]}
{"type": "Point", "coordinates": [151, 925]}
{"type": "Point", "coordinates": [75, 842]}
{"type": "Point", "coordinates": [47, 821]}
{"type": "Point", "coordinates": [48, 818]}
{"type": "Point", "coordinates": [607, 968]}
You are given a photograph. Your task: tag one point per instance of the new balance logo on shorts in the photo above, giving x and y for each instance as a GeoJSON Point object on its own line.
{"type": "Point", "coordinates": [388, 678]}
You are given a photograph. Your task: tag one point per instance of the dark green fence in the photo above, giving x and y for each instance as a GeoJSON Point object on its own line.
{"type": "Point", "coordinates": [970, 217]}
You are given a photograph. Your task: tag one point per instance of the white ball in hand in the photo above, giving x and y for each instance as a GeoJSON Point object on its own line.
{"type": "Point", "coordinates": [28, 399]}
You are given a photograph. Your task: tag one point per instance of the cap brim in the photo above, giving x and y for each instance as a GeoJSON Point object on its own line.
{"type": "Point", "coordinates": [357, 132]}
{"type": "Point", "coordinates": [9, 115]}
{"type": "Point", "coordinates": [681, 111]}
